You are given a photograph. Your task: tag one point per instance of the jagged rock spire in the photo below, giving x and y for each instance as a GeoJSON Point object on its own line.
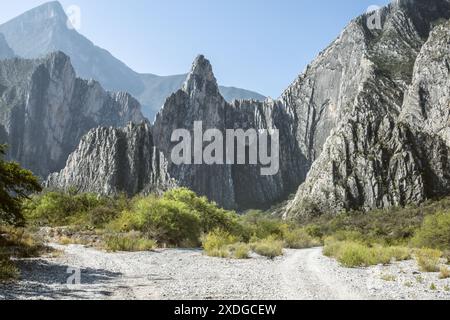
{"type": "Point", "coordinates": [201, 77]}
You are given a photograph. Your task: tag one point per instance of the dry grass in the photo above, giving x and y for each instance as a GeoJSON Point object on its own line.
{"type": "Point", "coordinates": [444, 272]}
{"type": "Point", "coordinates": [354, 254]}
{"type": "Point", "coordinates": [269, 247]}
{"type": "Point", "coordinates": [428, 259]}
{"type": "Point", "coordinates": [128, 243]}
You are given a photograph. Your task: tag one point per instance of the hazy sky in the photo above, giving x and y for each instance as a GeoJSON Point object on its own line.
{"type": "Point", "coordinates": [260, 45]}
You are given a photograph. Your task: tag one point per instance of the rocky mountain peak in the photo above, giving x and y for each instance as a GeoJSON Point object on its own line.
{"type": "Point", "coordinates": [201, 77]}
{"type": "Point", "coordinates": [50, 11]}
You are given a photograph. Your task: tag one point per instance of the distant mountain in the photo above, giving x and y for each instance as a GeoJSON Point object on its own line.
{"type": "Point", "coordinates": [43, 30]}
{"type": "Point", "coordinates": [45, 110]}
{"type": "Point", "coordinates": [5, 51]}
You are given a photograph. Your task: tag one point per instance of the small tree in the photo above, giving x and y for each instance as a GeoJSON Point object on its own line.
{"type": "Point", "coordinates": [16, 184]}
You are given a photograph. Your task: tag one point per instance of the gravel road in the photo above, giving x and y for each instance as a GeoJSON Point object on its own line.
{"type": "Point", "coordinates": [187, 274]}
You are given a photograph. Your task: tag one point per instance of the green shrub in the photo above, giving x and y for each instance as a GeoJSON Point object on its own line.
{"type": "Point", "coordinates": [354, 254]}
{"type": "Point", "coordinates": [399, 253]}
{"type": "Point", "coordinates": [269, 247]}
{"type": "Point", "coordinates": [428, 259]}
{"type": "Point", "coordinates": [167, 221]}
{"type": "Point", "coordinates": [66, 208]}
{"type": "Point", "coordinates": [434, 233]}
{"type": "Point", "coordinates": [299, 239]}
{"type": "Point", "coordinates": [211, 216]}
{"type": "Point", "coordinates": [216, 243]}
{"type": "Point", "coordinates": [259, 225]}
{"type": "Point", "coordinates": [239, 250]}
{"type": "Point", "coordinates": [128, 242]}
{"type": "Point", "coordinates": [390, 227]}
{"type": "Point", "coordinates": [332, 247]}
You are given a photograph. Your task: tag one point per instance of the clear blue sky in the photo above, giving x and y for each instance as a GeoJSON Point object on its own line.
{"type": "Point", "coordinates": [260, 45]}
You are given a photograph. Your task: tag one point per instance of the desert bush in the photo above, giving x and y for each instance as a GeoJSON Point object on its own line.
{"type": "Point", "coordinates": [399, 253]}
{"type": "Point", "coordinates": [20, 243]}
{"type": "Point", "coordinates": [390, 227]}
{"type": "Point", "coordinates": [259, 225]}
{"type": "Point", "coordinates": [269, 247]}
{"type": "Point", "coordinates": [128, 242]}
{"type": "Point", "coordinates": [354, 254]}
{"type": "Point", "coordinates": [166, 221]}
{"type": "Point", "coordinates": [332, 247]}
{"type": "Point", "coordinates": [69, 208]}
{"type": "Point", "coordinates": [216, 243]}
{"type": "Point", "coordinates": [239, 250]}
{"type": "Point", "coordinates": [299, 239]}
{"type": "Point", "coordinates": [17, 243]}
{"type": "Point", "coordinates": [428, 259]}
{"type": "Point", "coordinates": [210, 215]}
{"type": "Point", "coordinates": [434, 233]}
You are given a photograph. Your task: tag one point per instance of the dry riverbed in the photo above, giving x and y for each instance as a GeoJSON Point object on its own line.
{"type": "Point", "coordinates": [188, 274]}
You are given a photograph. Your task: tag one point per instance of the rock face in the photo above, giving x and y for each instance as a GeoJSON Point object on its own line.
{"type": "Point", "coordinates": [44, 30]}
{"type": "Point", "coordinates": [5, 51]}
{"type": "Point", "coordinates": [110, 161]}
{"type": "Point", "coordinates": [391, 146]}
{"type": "Point", "coordinates": [365, 126]}
{"type": "Point", "coordinates": [232, 186]}
{"type": "Point", "coordinates": [45, 110]}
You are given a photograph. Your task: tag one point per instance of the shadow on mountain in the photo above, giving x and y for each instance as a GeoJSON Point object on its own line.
{"type": "Point", "coordinates": [48, 280]}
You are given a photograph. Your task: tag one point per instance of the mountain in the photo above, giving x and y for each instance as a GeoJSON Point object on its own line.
{"type": "Point", "coordinates": [390, 145]}
{"type": "Point", "coordinates": [43, 30]}
{"type": "Point", "coordinates": [45, 110]}
{"type": "Point", "coordinates": [365, 126]}
{"type": "Point", "coordinates": [232, 186]}
{"type": "Point", "coordinates": [125, 161]}
{"type": "Point", "coordinates": [5, 51]}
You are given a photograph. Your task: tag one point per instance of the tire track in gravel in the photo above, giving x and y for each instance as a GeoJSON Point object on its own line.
{"type": "Point", "coordinates": [305, 278]}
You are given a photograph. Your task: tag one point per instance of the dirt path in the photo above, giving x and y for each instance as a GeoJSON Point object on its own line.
{"type": "Point", "coordinates": [188, 274]}
{"type": "Point", "coordinates": [306, 278]}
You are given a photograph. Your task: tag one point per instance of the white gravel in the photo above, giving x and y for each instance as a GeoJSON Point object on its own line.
{"type": "Point", "coordinates": [187, 274]}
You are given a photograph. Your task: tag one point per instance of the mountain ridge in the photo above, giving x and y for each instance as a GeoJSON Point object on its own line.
{"type": "Point", "coordinates": [43, 30]}
{"type": "Point", "coordinates": [45, 110]}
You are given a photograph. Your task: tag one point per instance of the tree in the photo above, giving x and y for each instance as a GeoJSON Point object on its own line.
{"type": "Point", "coordinates": [16, 184]}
